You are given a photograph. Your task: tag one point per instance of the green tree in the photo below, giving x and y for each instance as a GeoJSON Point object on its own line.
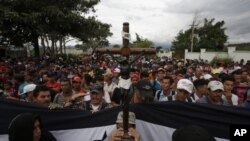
{"type": "Point", "coordinates": [116, 46]}
{"type": "Point", "coordinates": [182, 40]}
{"type": "Point", "coordinates": [210, 36]}
{"type": "Point", "coordinates": [52, 21]}
{"type": "Point", "coordinates": [141, 43]}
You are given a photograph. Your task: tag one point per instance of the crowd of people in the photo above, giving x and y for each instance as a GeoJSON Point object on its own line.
{"type": "Point", "coordinates": [93, 84]}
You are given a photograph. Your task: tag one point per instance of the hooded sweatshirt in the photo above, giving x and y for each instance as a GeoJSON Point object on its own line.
{"type": "Point", "coordinates": [22, 126]}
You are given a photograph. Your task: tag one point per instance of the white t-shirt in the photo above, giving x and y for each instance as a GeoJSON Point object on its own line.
{"type": "Point", "coordinates": [234, 99]}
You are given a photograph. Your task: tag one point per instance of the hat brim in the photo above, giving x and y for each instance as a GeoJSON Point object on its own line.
{"type": "Point", "coordinates": [214, 89]}
{"type": "Point", "coordinates": [95, 92]}
{"type": "Point", "coordinates": [186, 89]}
{"type": "Point", "coordinates": [23, 93]}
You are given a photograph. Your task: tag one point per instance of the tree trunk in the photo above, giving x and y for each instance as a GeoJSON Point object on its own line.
{"type": "Point", "coordinates": [48, 50]}
{"type": "Point", "coordinates": [43, 45]}
{"type": "Point", "coordinates": [61, 46]}
{"type": "Point", "coordinates": [36, 46]}
{"type": "Point", "coordinates": [64, 46]}
{"type": "Point", "coordinates": [52, 47]}
{"type": "Point", "coordinates": [56, 48]}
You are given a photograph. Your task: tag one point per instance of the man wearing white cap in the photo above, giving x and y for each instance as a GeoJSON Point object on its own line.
{"type": "Point", "coordinates": [216, 90]}
{"type": "Point", "coordinates": [28, 91]}
{"type": "Point", "coordinates": [116, 75]}
{"type": "Point", "coordinates": [184, 89]}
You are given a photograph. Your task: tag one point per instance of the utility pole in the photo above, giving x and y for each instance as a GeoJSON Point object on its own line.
{"type": "Point", "coordinates": [192, 33]}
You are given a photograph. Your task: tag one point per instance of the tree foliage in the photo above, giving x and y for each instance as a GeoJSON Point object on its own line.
{"type": "Point", "coordinates": [24, 21]}
{"type": "Point", "coordinates": [210, 36]}
{"type": "Point", "coordinates": [141, 42]}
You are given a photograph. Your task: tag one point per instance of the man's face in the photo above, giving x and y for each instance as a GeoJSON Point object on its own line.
{"type": "Point", "coordinates": [43, 98]}
{"type": "Point", "coordinates": [181, 95]}
{"type": "Point", "coordinates": [107, 78]}
{"type": "Point", "coordinates": [198, 72]}
{"type": "Point", "coordinates": [228, 86]}
{"type": "Point", "coordinates": [96, 98]}
{"type": "Point", "coordinates": [138, 97]}
{"type": "Point", "coordinates": [244, 75]}
{"type": "Point", "coordinates": [161, 74]}
{"type": "Point", "coordinates": [215, 96]}
{"type": "Point", "coordinates": [166, 84]}
{"type": "Point", "coordinates": [76, 84]}
{"type": "Point", "coordinates": [134, 81]}
{"type": "Point", "coordinates": [65, 86]}
{"type": "Point", "coordinates": [237, 78]}
{"type": "Point", "coordinates": [203, 89]}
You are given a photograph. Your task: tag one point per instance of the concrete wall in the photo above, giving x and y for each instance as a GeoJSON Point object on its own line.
{"type": "Point", "coordinates": [238, 55]}
{"type": "Point", "coordinates": [232, 53]}
{"type": "Point", "coordinates": [74, 51]}
{"type": "Point", "coordinates": [165, 53]}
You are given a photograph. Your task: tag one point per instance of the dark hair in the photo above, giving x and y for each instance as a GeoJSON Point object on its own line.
{"type": "Point", "coordinates": [144, 74]}
{"type": "Point", "coordinates": [64, 79]}
{"type": "Point", "coordinates": [238, 72]}
{"type": "Point", "coordinates": [222, 75]}
{"type": "Point", "coordinates": [88, 79]}
{"type": "Point", "coordinates": [40, 88]}
{"type": "Point", "coordinates": [170, 79]}
{"type": "Point", "coordinates": [200, 82]}
{"type": "Point", "coordinates": [21, 127]}
{"type": "Point", "coordinates": [227, 78]}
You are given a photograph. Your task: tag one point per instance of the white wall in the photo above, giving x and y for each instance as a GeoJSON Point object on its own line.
{"type": "Point", "coordinates": [203, 54]}
{"type": "Point", "coordinates": [74, 51]}
{"type": "Point", "coordinates": [238, 55]}
{"type": "Point", "coordinates": [192, 55]}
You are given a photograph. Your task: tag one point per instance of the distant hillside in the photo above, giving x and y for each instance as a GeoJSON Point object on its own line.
{"type": "Point", "coordinates": [242, 46]}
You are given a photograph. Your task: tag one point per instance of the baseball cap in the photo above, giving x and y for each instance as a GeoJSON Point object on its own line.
{"type": "Point", "coordinates": [186, 85]}
{"type": "Point", "coordinates": [28, 88]}
{"type": "Point", "coordinates": [215, 85]}
{"type": "Point", "coordinates": [97, 89]}
{"type": "Point", "coordinates": [145, 87]}
{"type": "Point", "coordinates": [131, 118]}
{"type": "Point", "coordinates": [208, 76]}
{"type": "Point", "coordinates": [77, 79]}
{"type": "Point", "coordinates": [161, 69]}
{"type": "Point", "coordinates": [117, 70]}
{"type": "Point", "coordinates": [135, 75]}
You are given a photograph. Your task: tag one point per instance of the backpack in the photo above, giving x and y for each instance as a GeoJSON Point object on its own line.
{"type": "Point", "coordinates": [170, 98]}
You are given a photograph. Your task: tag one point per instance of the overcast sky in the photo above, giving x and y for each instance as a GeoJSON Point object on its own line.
{"type": "Point", "coordinates": [161, 20]}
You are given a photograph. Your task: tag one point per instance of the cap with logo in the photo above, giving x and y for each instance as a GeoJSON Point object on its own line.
{"type": "Point", "coordinates": [145, 88]}
{"type": "Point", "coordinates": [185, 84]}
{"type": "Point", "coordinates": [215, 85]}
